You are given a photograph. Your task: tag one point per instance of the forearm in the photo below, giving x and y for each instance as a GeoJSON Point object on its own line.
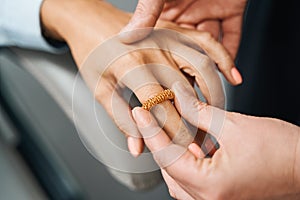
{"type": "Point", "coordinates": [83, 24]}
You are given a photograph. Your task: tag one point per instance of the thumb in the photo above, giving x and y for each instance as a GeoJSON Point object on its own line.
{"type": "Point", "coordinates": [208, 118]}
{"type": "Point", "coordinates": [179, 163]}
{"type": "Point", "coordinates": [146, 14]}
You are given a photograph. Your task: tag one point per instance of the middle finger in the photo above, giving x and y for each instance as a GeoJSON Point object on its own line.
{"type": "Point", "coordinates": [143, 82]}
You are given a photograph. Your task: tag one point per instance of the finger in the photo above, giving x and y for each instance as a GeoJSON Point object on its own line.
{"type": "Point", "coordinates": [120, 112]}
{"type": "Point", "coordinates": [173, 76]}
{"type": "Point", "coordinates": [174, 9]}
{"type": "Point", "coordinates": [204, 70]}
{"type": "Point", "coordinates": [204, 143]}
{"type": "Point", "coordinates": [167, 75]}
{"type": "Point", "coordinates": [218, 54]}
{"type": "Point", "coordinates": [155, 137]}
{"type": "Point", "coordinates": [211, 26]}
{"type": "Point", "coordinates": [164, 151]}
{"type": "Point", "coordinates": [178, 163]}
{"type": "Point", "coordinates": [143, 83]}
{"type": "Point", "coordinates": [146, 14]}
{"type": "Point", "coordinates": [209, 10]}
{"type": "Point", "coordinates": [196, 150]}
{"type": "Point", "coordinates": [231, 28]}
{"type": "Point", "coordinates": [188, 26]}
{"type": "Point", "coordinates": [208, 118]}
{"type": "Point", "coordinates": [135, 145]}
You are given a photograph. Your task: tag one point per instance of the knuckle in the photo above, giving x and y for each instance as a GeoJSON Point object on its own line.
{"type": "Point", "coordinates": [99, 94]}
{"type": "Point", "coordinates": [206, 62]}
{"type": "Point", "coordinates": [135, 56]}
{"type": "Point", "coordinates": [207, 36]}
{"type": "Point", "coordinates": [131, 60]}
{"type": "Point", "coordinates": [103, 92]}
{"type": "Point", "coordinates": [199, 106]}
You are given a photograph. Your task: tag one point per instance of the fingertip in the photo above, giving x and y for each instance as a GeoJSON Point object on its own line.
{"type": "Point", "coordinates": [136, 111]}
{"type": "Point", "coordinates": [134, 32]}
{"type": "Point", "coordinates": [135, 146]}
{"type": "Point", "coordinates": [172, 194]}
{"type": "Point", "coordinates": [141, 117]}
{"type": "Point", "coordinates": [236, 76]}
{"type": "Point", "coordinates": [142, 22]}
{"type": "Point", "coordinates": [196, 150]}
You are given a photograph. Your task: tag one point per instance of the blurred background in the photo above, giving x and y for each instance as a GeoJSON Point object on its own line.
{"type": "Point", "coordinates": [41, 155]}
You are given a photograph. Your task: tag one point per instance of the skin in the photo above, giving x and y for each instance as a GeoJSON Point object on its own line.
{"type": "Point", "coordinates": [84, 24]}
{"type": "Point", "coordinates": [258, 157]}
{"type": "Point", "coordinates": [221, 18]}
{"type": "Point", "coordinates": [277, 161]}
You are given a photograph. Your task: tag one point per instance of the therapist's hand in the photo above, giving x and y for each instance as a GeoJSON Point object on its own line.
{"type": "Point", "coordinates": [258, 158]}
{"type": "Point", "coordinates": [85, 24]}
{"type": "Point", "coordinates": [221, 18]}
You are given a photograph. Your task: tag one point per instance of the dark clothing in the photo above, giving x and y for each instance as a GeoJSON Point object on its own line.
{"type": "Point", "coordinates": [268, 60]}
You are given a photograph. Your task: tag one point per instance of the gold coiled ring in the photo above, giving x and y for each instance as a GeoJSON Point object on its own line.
{"type": "Point", "coordinates": [159, 98]}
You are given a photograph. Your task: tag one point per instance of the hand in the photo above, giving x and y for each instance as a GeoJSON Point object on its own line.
{"type": "Point", "coordinates": [258, 158]}
{"type": "Point", "coordinates": [218, 17]}
{"type": "Point", "coordinates": [84, 24]}
{"type": "Point", "coordinates": [215, 17]}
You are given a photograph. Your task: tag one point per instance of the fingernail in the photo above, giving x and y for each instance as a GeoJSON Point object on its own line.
{"type": "Point", "coordinates": [141, 117]}
{"type": "Point", "coordinates": [133, 146]}
{"type": "Point", "coordinates": [236, 75]}
{"type": "Point", "coordinates": [181, 88]}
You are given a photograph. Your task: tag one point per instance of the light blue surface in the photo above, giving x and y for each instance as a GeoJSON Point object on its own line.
{"type": "Point", "coordinates": [20, 25]}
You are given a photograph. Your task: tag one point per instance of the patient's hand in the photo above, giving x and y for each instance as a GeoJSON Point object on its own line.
{"type": "Point", "coordinates": [84, 24]}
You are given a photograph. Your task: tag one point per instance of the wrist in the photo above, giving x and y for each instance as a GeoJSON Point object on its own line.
{"type": "Point", "coordinates": [53, 19]}
{"type": "Point", "coordinates": [82, 24]}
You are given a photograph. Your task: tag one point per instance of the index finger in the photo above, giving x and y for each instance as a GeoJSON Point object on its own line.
{"type": "Point", "coordinates": [208, 118]}
{"type": "Point", "coordinates": [178, 162]}
{"type": "Point", "coordinates": [164, 151]}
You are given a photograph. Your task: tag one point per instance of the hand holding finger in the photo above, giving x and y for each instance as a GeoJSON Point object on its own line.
{"type": "Point", "coordinates": [146, 14]}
